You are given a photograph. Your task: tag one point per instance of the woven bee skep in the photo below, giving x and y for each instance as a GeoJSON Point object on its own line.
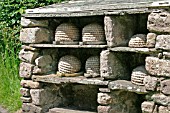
{"type": "Point", "coordinates": [138, 75]}
{"type": "Point", "coordinates": [69, 64]}
{"type": "Point", "coordinates": [137, 41]}
{"type": "Point", "coordinates": [93, 33]}
{"type": "Point", "coordinates": [92, 66]}
{"type": "Point", "coordinates": [66, 32]}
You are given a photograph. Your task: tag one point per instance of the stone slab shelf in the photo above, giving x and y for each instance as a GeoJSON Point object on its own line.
{"type": "Point", "coordinates": [135, 50]}
{"type": "Point", "coordinates": [59, 80]}
{"type": "Point", "coordinates": [127, 86]}
{"type": "Point", "coordinates": [65, 110]}
{"type": "Point", "coordinates": [66, 46]}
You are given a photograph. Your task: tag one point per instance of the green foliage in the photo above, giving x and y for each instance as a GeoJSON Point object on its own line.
{"type": "Point", "coordinates": [10, 15]}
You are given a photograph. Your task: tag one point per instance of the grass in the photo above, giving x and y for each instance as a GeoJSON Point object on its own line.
{"type": "Point", "coordinates": [9, 78]}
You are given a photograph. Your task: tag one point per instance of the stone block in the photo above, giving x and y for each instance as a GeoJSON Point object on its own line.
{"type": "Point", "coordinates": [25, 70]}
{"type": "Point", "coordinates": [25, 22]}
{"type": "Point", "coordinates": [165, 87]}
{"type": "Point", "coordinates": [150, 83]}
{"type": "Point", "coordinates": [166, 55]}
{"type": "Point", "coordinates": [151, 40]}
{"type": "Point", "coordinates": [159, 22]}
{"type": "Point", "coordinates": [30, 108]}
{"type": "Point", "coordinates": [26, 99]}
{"type": "Point", "coordinates": [44, 96]}
{"type": "Point", "coordinates": [48, 69]}
{"type": "Point", "coordinates": [105, 90]}
{"type": "Point", "coordinates": [34, 35]}
{"type": "Point", "coordinates": [29, 48]}
{"type": "Point", "coordinates": [148, 107]}
{"type": "Point", "coordinates": [28, 56]}
{"type": "Point", "coordinates": [43, 60]}
{"type": "Point", "coordinates": [119, 29]}
{"type": "Point", "coordinates": [30, 84]}
{"type": "Point", "coordinates": [104, 99]}
{"type": "Point", "coordinates": [111, 66]}
{"type": "Point", "coordinates": [103, 109]}
{"type": "Point", "coordinates": [25, 92]}
{"type": "Point", "coordinates": [163, 109]}
{"type": "Point", "coordinates": [158, 67]}
{"type": "Point", "coordinates": [163, 42]}
{"type": "Point", "coordinates": [161, 99]}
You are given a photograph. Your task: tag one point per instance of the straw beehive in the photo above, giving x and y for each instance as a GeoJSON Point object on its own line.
{"type": "Point", "coordinates": [138, 75]}
{"type": "Point", "coordinates": [93, 66]}
{"type": "Point", "coordinates": [66, 32]}
{"type": "Point", "coordinates": [93, 33]}
{"type": "Point", "coordinates": [138, 40]}
{"type": "Point", "coordinates": [69, 64]}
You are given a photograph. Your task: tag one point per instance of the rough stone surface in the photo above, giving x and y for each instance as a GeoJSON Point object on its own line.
{"type": "Point", "coordinates": [111, 66]}
{"type": "Point", "coordinates": [163, 109]}
{"type": "Point", "coordinates": [34, 35]}
{"type": "Point", "coordinates": [30, 84]}
{"type": "Point", "coordinates": [150, 83]}
{"type": "Point", "coordinates": [151, 40]}
{"type": "Point", "coordinates": [159, 22]}
{"type": "Point", "coordinates": [103, 109]}
{"type": "Point", "coordinates": [29, 48]}
{"type": "Point", "coordinates": [163, 42]}
{"type": "Point", "coordinates": [156, 66]}
{"type": "Point", "coordinates": [48, 69]}
{"type": "Point", "coordinates": [148, 107]}
{"type": "Point", "coordinates": [25, 22]}
{"type": "Point", "coordinates": [105, 90]}
{"type": "Point", "coordinates": [104, 99]}
{"type": "Point", "coordinates": [26, 70]}
{"type": "Point", "coordinates": [161, 99]}
{"type": "Point", "coordinates": [119, 29]}
{"type": "Point", "coordinates": [165, 87]}
{"type": "Point", "coordinates": [44, 96]}
{"type": "Point", "coordinates": [25, 99]}
{"type": "Point", "coordinates": [28, 56]}
{"type": "Point", "coordinates": [25, 92]}
{"type": "Point", "coordinates": [43, 60]}
{"type": "Point", "coordinates": [30, 108]}
{"type": "Point", "coordinates": [166, 55]}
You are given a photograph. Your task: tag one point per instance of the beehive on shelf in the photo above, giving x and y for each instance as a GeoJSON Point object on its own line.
{"type": "Point", "coordinates": [93, 34]}
{"type": "Point", "coordinates": [66, 33]}
{"type": "Point", "coordinates": [138, 40]}
{"type": "Point", "coordinates": [92, 66]}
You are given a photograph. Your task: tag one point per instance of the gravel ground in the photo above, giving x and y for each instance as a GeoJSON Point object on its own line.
{"type": "Point", "coordinates": [2, 110]}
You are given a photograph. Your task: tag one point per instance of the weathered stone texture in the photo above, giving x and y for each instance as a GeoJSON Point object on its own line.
{"type": "Point", "coordinates": [104, 99]}
{"type": "Point", "coordinates": [105, 90]}
{"type": "Point", "coordinates": [163, 109]}
{"type": "Point", "coordinates": [156, 66]}
{"type": "Point", "coordinates": [103, 109]}
{"type": "Point", "coordinates": [161, 99]}
{"type": "Point", "coordinates": [34, 35]}
{"type": "Point", "coordinates": [111, 66]}
{"type": "Point", "coordinates": [166, 55]}
{"type": "Point", "coordinates": [25, 99]}
{"type": "Point", "coordinates": [26, 70]}
{"type": "Point", "coordinates": [44, 96]}
{"type": "Point", "coordinates": [163, 42]}
{"type": "Point", "coordinates": [150, 83]}
{"type": "Point", "coordinates": [30, 84]}
{"type": "Point", "coordinates": [118, 29]}
{"type": "Point", "coordinates": [148, 107]}
{"type": "Point", "coordinates": [25, 92]}
{"type": "Point", "coordinates": [28, 56]}
{"type": "Point", "coordinates": [165, 87]}
{"type": "Point", "coordinates": [30, 108]}
{"type": "Point", "coordinates": [48, 69]}
{"type": "Point", "coordinates": [151, 40]}
{"type": "Point", "coordinates": [43, 60]}
{"type": "Point", "coordinates": [25, 22]}
{"type": "Point", "coordinates": [159, 22]}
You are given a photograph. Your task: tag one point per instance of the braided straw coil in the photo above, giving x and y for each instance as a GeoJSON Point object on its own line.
{"type": "Point", "coordinates": [93, 32]}
{"type": "Point", "coordinates": [67, 32]}
{"type": "Point", "coordinates": [138, 40]}
{"type": "Point", "coordinates": [138, 75]}
{"type": "Point", "coordinates": [93, 65]}
{"type": "Point", "coordinates": [69, 64]}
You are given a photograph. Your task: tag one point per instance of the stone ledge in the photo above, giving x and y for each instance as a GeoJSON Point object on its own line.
{"type": "Point", "coordinates": [59, 80]}
{"type": "Point", "coordinates": [64, 110]}
{"type": "Point", "coordinates": [127, 86]}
